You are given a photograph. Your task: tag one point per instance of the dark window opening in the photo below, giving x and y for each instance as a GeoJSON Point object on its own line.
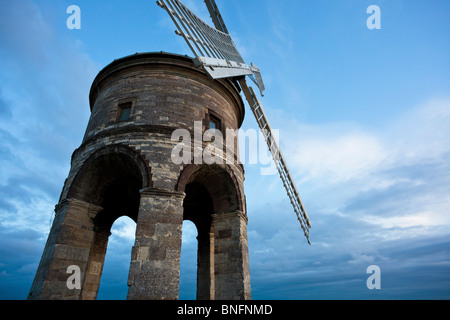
{"type": "Point", "coordinates": [124, 112]}
{"type": "Point", "coordinates": [214, 124]}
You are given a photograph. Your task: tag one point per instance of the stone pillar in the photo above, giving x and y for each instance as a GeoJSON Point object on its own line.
{"type": "Point", "coordinates": [95, 266]}
{"type": "Point", "coordinates": [69, 244]}
{"type": "Point", "coordinates": [231, 260]}
{"type": "Point", "coordinates": [155, 262]}
{"type": "Point", "coordinates": [205, 266]}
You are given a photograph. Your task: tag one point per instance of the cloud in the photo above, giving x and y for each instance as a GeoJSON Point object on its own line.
{"type": "Point", "coordinates": [24, 31]}
{"type": "Point", "coordinates": [117, 260]}
{"type": "Point", "coordinates": [334, 267]}
{"type": "Point", "coordinates": [124, 229]}
{"type": "Point", "coordinates": [20, 253]}
{"type": "Point", "coordinates": [5, 111]}
{"type": "Point", "coordinates": [403, 153]}
{"type": "Point", "coordinates": [423, 134]}
{"type": "Point", "coordinates": [339, 157]}
{"type": "Point", "coordinates": [44, 87]}
{"type": "Point", "coordinates": [375, 196]}
{"type": "Point", "coordinates": [44, 84]}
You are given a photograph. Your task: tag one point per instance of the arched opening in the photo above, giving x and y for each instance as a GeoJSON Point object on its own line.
{"type": "Point", "coordinates": [209, 190]}
{"type": "Point", "coordinates": [111, 180]}
{"type": "Point", "coordinates": [188, 262]}
{"type": "Point", "coordinates": [198, 208]}
{"type": "Point", "coordinates": [219, 182]}
{"type": "Point", "coordinates": [113, 283]}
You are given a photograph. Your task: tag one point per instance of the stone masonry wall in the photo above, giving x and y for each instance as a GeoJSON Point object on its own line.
{"type": "Point", "coordinates": [165, 92]}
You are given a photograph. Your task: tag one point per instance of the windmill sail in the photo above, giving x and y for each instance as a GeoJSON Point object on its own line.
{"type": "Point", "coordinates": [216, 16]}
{"type": "Point", "coordinates": [216, 53]}
{"type": "Point", "coordinates": [214, 50]}
{"type": "Point", "coordinates": [277, 157]}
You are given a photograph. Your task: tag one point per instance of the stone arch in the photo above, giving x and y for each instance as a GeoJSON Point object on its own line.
{"type": "Point", "coordinates": [96, 172]}
{"type": "Point", "coordinates": [214, 204]}
{"type": "Point", "coordinates": [111, 179]}
{"type": "Point", "coordinates": [105, 188]}
{"type": "Point", "coordinates": [221, 183]}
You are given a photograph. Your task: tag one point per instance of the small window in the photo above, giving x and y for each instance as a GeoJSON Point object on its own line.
{"type": "Point", "coordinates": [214, 124]}
{"type": "Point", "coordinates": [124, 112]}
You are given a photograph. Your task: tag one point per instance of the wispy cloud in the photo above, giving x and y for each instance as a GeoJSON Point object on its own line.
{"type": "Point", "coordinates": [376, 195]}
{"type": "Point", "coordinates": [43, 84]}
{"type": "Point", "coordinates": [371, 194]}
{"type": "Point", "coordinates": [343, 152]}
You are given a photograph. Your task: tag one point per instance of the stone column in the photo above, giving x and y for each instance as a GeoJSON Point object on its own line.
{"type": "Point", "coordinates": [69, 244]}
{"type": "Point", "coordinates": [95, 265]}
{"type": "Point", "coordinates": [155, 262]}
{"type": "Point", "coordinates": [205, 266]}
{"type": "Point", "coordinates": [231, 260]}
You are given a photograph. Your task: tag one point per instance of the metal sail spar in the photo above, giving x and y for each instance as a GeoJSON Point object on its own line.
{"type": "Point", "coordinates": [216, 16]}
{"type": "Point", "coordinates": [214, 50]}
{"type": "Point", "coordinates": [277, 157]}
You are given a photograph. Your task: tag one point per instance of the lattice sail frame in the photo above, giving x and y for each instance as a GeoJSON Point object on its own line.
{"type": "Point", "coordinates": [216, 53]}
{"type": "Point", "coordinates": [278, 157]}
{"type": "Point", "coordinates": [214, 50]}
{"type": "Point", "coordinates": [216, 16]}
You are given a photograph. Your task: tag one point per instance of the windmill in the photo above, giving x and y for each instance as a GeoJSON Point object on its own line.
{"type": "Point", "coordinates": [216, 53]}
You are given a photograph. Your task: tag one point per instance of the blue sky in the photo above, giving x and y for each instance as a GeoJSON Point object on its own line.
{"type": "Point", "coordinates": [364, 124]}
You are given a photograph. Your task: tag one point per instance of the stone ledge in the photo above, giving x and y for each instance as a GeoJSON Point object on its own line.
{"type": "Point", "coordinates": [162, 193]}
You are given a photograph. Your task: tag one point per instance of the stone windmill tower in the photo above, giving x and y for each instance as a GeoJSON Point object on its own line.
{"type": "Point", "coordinates": [125, 167]}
